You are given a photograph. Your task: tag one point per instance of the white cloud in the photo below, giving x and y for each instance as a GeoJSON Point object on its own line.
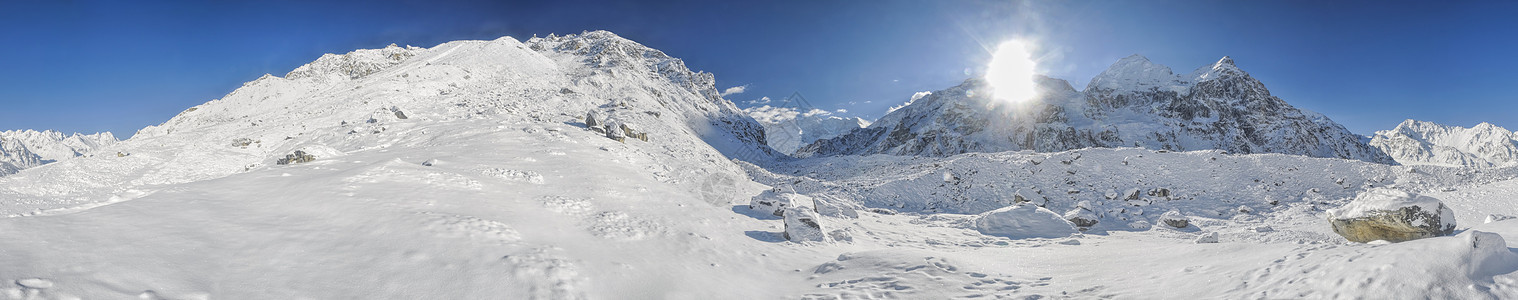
{"type": "Point", "coordinates": [916, 96]}
{"type": "Point", "coordinates": [772, 115]}
{"type": "Point", "coordinates": [734, 90]}
{"type": "Point", "coordinates": [843, 111]}
{"type": "Point", "coordinates": [761, 100]}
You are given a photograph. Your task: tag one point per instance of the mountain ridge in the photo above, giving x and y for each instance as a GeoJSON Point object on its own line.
{"type": "Point", "coordinates": [1134, 103]}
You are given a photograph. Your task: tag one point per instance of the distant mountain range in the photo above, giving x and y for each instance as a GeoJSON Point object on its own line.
{"type": "Point", "coordinates": [22, 149]}
{"type": "Point", "coordinates": [1426, 143]}
{"type": "Point", "coordinates": [1134, 103]}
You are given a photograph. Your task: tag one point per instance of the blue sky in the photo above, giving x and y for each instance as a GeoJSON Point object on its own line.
{"type": "Point", "coordinates": [121, 65]}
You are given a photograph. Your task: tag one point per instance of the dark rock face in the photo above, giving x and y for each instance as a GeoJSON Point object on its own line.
{"type": "Point", "coordinates": [1135, 104]}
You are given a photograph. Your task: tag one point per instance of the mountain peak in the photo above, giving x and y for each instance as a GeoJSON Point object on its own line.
{"type": "Point", "coordinates": [1225, 61]}
{"type": "Point", "coordinates": [1133, 73]}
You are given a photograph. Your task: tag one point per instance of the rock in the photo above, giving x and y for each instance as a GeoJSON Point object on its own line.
{"type": "Point", "coordinates": [430, 162]}
{"type": "Point", "coordinates": [295, 158]}
{"type": "Point", "coordinates": [776, 202]}
{"type": "Point", "coordinates": [1207, 238]}
{"type": "Point", "coordinates": [590, 120]}
{"type": "Point", "coordinates": [1021, 221]}
{"type": "Point", "coordinates": [1131, 194]}
{"type": "Point", "coordinates": [1081, 217]}
{"type": "Point", "coordinates": [1392, 215]}
{"type": "Point", "coordinates": [398, 113]}
{"type": "Point", "coordinates": [1175, 219]}
{"type": "Point", "coordinates": [1264, 228]}
{"type": "Point", "coordinates": [801, 225]}
{"type": "Point", "coordinates": [1498, 217]}
{"type": "Point", "coordinates": [242, 142]}
{"type": "Point", "coordinates": [1026, 196]}
{"type": "Point", "coordinates": [615, 132]}
{"type": "Point", "coordinates": [1160, 192]}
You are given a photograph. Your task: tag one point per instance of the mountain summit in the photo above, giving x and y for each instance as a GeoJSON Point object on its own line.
{"type": "Point", "coordinates": [1134, 103]}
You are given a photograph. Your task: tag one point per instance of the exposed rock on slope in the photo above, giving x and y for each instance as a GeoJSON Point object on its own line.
{"type": "Point", "coordinates": [1135, 103]}
{"type": "Point", "coordinates": [1427, 143]}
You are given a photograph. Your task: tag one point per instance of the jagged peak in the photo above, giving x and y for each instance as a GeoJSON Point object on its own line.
{"type": "Point", "coordinates": [1225, 61]}
{"type": "Point", "coordinates": [1224, 67]}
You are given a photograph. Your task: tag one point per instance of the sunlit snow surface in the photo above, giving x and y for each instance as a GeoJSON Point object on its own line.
{"type": "Point", "coordinates": [520, 201]}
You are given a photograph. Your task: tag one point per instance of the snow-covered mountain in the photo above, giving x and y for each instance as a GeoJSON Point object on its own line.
{"type": "Point", "coordinates": [787, 129]}
{"type": "Point", "coordinates": [21, 149]}
{"type": "Point", "coordinates": [1427, 143]}
{"type": "Point", "coordinates": [364, 100]}
{"type": "Point", "coordinates": [1134, 103]}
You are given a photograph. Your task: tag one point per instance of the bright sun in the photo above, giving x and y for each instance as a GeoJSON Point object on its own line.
{"type": "Point", "coordinates": [1011, 72]}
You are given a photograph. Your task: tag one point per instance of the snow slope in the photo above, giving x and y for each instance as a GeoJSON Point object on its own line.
{"type": "Point", "coordinates": [787, 129]}
{"type": "Point", "coordinates": [347, 103]}
{"type": "Point", "coordinates": [1420, 142]}
{"type": "Point", "coordinates": [21, 149]}
{"type": "Point", "coordinates": [1134, 103]}
{"type": "Point", "coordinates": [464, 171]}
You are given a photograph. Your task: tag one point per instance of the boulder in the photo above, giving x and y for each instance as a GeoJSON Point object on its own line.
{"type": "Point", "coordinates": [801, 225]}
{"type": "Point", "coordinates": [1021, 221]}
{"type": "Point", "coordinates": [775, 201]}
{"type": "Point", "coordinates": [1497, 217]}
{"type": "Point", "coordinates": [591, 121]}
{"type": "Point", "coordinates": [1392, 215]}
{"type": "Point", "coordinates": [1082, 217]}
{"type": "Point", "coordinates": [1207, 238]}
{"type": "Point", "coordinates": [1175, 219]}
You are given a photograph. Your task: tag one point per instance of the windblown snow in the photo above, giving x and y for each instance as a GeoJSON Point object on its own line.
{"type": "Point", "coordinates": [471, 170]}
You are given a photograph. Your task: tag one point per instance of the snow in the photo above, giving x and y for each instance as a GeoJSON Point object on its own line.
{"type": "Point", "coordinates": [1426, 143]}
{"type": "Point", "coordinates": [1023, 221]}
{"type": "Point", "coordinates": [1374, 201]}
{"type": "Point", "coordinates": [492, 185]}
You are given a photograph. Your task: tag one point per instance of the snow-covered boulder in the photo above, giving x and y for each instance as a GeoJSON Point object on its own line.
{"type": "Point", "coordinates": [1392, 215]}
{"type": "Point", "coordinates": [1210, 237]}
{"type": "Point", "coordinates": [1081, 216]}
{"type": "Point", "coordinates": [1497, 217]}
{"type": "Point", "coordinates": [776, 201]}
{"type": "Point", "coordinates": [1175, 219]}
{"type": "Point", "coordinates": [801, 225]}
{"type": "Point", "coordinates": [1024, 221]}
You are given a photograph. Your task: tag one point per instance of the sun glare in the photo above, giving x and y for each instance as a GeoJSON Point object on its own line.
{"type": "Point", "coordinates": [1010, 73]}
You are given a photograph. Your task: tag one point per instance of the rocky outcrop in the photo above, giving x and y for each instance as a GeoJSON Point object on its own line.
{"type": "Point", "coordinates": [296, 158]}
{"type": "Point", "coordinates": [1134, 103]}
{"type": "Point", "coordinates": [1392, 215]}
